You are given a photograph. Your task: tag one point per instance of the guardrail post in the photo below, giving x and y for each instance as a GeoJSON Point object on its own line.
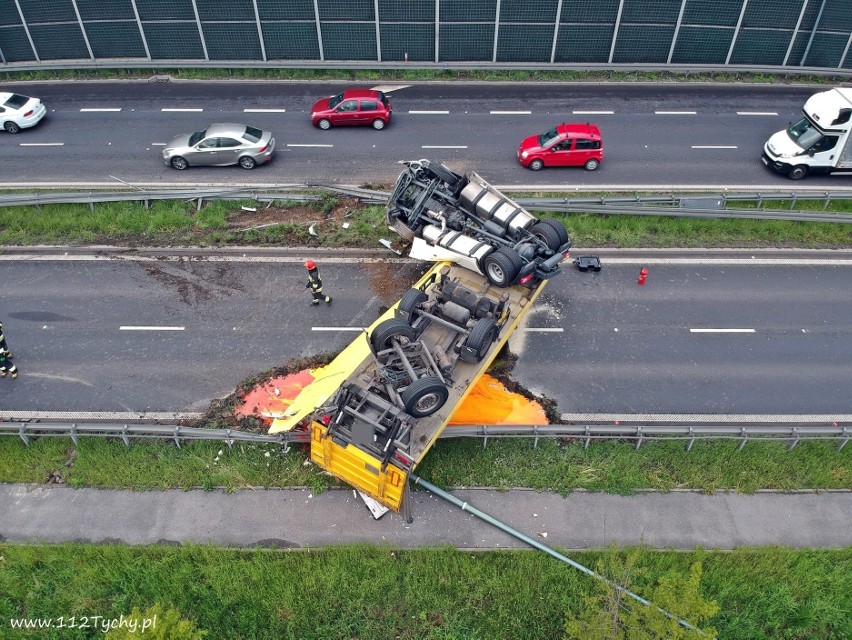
{"type": "Point", "coordinates": [827, 200]}
{"type": "Point", "coordinates": [759, 201]}
{"type": "Point", "coordinates": [228, 440]}
{"type": "Point", "coordinates": [22, 431]}
{"type": "Point", "coordinates": [286, 444]}
{"type": "Point", "coordinates": [124, 432]}
{"type": "Point", "coordinates": [535, 439]}
{"type": "Point", "coordinates": [74, 434]}
{"type": "Point", "coordinates": [198, 206]}
{"type": "Point", "coordinates": [639, 437]}
{"type": "Point", "coordinates": [744, 435]}
{"type": "Point", "coordinates": [845, 439]}
{"type": "Point", "coordinates": [484, 436]}
{"type": "Point", "coordinates": [796, 436]}
{"type": "Point", "coordinates": [177, 436]}
{"type": "Point", "coordinates": [588, 438]}
{"type": "Point", "coordinates": [691, 440]}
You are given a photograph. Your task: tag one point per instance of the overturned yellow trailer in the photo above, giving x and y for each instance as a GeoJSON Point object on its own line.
{"type": "Point", "coordinates": [377, 409]}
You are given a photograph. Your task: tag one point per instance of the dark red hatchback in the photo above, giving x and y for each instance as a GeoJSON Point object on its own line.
{"type": "Point", "coordinates": [566, 145]}
{"type": "Point", "coordinates": [353, 106]}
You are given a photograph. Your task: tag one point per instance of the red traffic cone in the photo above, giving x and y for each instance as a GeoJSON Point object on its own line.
{"type": "Point", "coordinates": [642, 275]}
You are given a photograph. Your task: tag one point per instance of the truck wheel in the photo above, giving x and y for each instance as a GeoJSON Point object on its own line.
{"type": "Point", "coordinates": [559, 227]}
{"type": "Point", "coordinates": [798, 172]}
{"type": "Point", "coordinates": [547, 234]}
{"type": "Point", "coordinates": [502, 266]}
{"type": "Point", "coordinates": [424, 397]}
{"type": "Point", "coordinates": [536, 165]}
{"type": "Point", "coordinates": [410, 300]}
{"type": "Point", "coordinates": [383, 335]}
{"type": "Point", "coordinates": [484, 333]}
{"type": "Point", "coordinates": [442, 173]}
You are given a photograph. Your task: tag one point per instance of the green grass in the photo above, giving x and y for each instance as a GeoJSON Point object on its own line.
{"type": "Point", "coordinates": [614, 467]}
{"type": "Point", "coordinates": [174, 223]}
{"type": "Point", "coordinates": [379, 592]}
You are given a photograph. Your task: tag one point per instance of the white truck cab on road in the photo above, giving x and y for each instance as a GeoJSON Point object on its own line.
{"type": "Point", "coordinates": [819, 142]}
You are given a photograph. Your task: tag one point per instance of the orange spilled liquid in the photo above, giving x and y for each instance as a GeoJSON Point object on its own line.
{"type": "Point", "coordinates": [489, 402]}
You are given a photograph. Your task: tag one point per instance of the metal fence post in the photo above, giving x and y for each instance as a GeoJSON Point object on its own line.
{"type": "Point", "coordinates": [744, 435]}
{"type": "Point", "coordinates": [22, 432]}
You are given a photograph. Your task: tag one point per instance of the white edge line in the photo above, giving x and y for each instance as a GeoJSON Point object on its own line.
{"type": "Point", "coordinates": [42, 144]}
{"type": "Point", "coordinates": [174, 109]}
{"type": "Point", "coordinates": [438, 146]}
{"type": "Point", "coordinates": [264, 110]}
{"type": "Point", "coordinates": [757, 113]}
{"type": "Point", "coordinates": [423, 113]}
{"type": "Point", "coordinates": [714, 146]}
{"type": "Point", "coordinates": [311, 145]}
{"type": "Point", "coordinates": [100, 109]}
{"type": "Point", "coordinates": [593, 113]}
{"type": "Point", "coordinates": [338, 329]}
{"type": "Point", "coordinates": [700, 418]}
{"type": "Point", "coordinates": [676, 113]}
{"type": "Point", "coordinates": [510, 113]}
{"type": "Point", "coordinates": [721, 330]}
{"type": "Point", "coordinates": [142, 328]}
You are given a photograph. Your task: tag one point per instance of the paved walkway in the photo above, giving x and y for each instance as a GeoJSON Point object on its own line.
{"type": "Point", "coordinates": [297, 518]}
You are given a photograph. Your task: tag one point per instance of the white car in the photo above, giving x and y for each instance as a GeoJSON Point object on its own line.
{"type": "Point", "coordinates": [20, 112]}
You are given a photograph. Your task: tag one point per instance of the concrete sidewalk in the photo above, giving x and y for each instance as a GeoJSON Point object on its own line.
{"type": "Point", "coordinates": [297, 518]}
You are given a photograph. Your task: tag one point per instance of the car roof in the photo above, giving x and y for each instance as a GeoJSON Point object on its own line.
{"type": "Point", "coordinates": [226, 128]}
{"type": "Point", "coordinates": [575, 130]}
{"type": "Point", "coordinates": [360, 93]}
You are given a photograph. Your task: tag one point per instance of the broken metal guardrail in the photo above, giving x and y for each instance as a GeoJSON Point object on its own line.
{"type": "Point", "coordinates": [693, 206]}
{"type": "Point", "coordinates": [639, 434]}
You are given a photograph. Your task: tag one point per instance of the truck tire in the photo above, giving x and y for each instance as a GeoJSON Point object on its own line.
{"type": "Point", "coordinates": [484, 333]}
{"type": "Point", "coordinates": [383, 335]}
{"type": "Point", "coordinates": [547, 234]}
{"type": "Point", "coordinates": [559, 227]}
{"type": "Point", "coordinates": [424, 397]}
{"type": "Point", "coordinates": [410, 300]}
{"type": "Point", "coordinates": [798, 172]}
{"type": "Point", "coordinates": [502, 266]}
{"type": "Point", "coordinates": [442, 173]}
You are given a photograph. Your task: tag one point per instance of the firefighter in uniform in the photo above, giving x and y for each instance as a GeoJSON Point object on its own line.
{"type": "Point", "coordinates": [315, 283]}
{"type": "Point", "coordinates": [6, 364]}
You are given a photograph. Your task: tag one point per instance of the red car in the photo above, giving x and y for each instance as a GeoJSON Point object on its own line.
{"type": "Point", "coordinates": [566, 145]}
{"type": "Point", "coordinates": [353, 106]}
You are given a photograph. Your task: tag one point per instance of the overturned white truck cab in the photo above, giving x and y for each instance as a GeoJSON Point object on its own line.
{"type": "Point", "coordinates": [448, 216]}
{"type": "Point", "coordinates": [819, 143]}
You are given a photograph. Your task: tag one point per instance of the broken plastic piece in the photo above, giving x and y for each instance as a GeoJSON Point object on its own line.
{"type": "Point", "coordinates": [375, 507]}
{"type": "Point", "coordinates": [312, 230]}
{"type": "Point", "coordinates": [387, 243]}
{"type": "Point", "coordinates": [584, 263]}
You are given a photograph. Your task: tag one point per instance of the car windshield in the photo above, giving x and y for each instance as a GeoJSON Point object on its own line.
{"type": "Point", "coordinates": [252, 134]}
{"type": "Point", "coordinates": [548, 138]}
{"type": "Point", "coordinates": [335, 100]}
{"type": "Point", "coordinates": [197, 137]}
{"type": "Point", "coordinates": [804, 134]}
{"type": "Point", "coordinates": [16, 101]}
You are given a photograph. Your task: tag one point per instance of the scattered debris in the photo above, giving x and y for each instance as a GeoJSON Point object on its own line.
{"type": "Point", "coordinates": [312, 230]}
{"type": "Point", "coordinates": [387, 243]}
{"type": "Point", "coordinates": [248, 209]}
{"type": "Point", "coordinates": [375, 507]}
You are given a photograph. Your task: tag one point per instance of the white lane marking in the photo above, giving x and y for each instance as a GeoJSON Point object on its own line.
{"type": "Point", "coordinates": [338, 329]}
{"type": "Point", "coordinates": [42, 144]}
{"type": "Point", "coordinates": [264, 110]}
{"type": "Point", "coordinates": [144, 328]}
{"type": "Point", "coordinates": [676, 113]}
{"type": "Point", "coordinates": [439, 146]}
{"type": "Point", "coordinates": [739, 262]}
{"type": "Point", "coordinates": [707, 417]}
{"type": "Point", "coordinates": [510, 113]}
{"type": "Point", "coordinates": [714, 146]}
{"type": "Point", "coordinates": [757, 113]}
{"type": "Point", "coordinates": [593, 113]}
{"type": "Point", "coordinates": [158, 144]}
{"type": "Point", "coordinates": [387, 88]}
{"type": "Point", "coordinates": [182, 110]}
{"type": "Point", "coordinates": [424, 113]}
{"type": "Point", "coordinates": [99, 109]}
{"type": "Point", "coordinates": [721, 330]}
{"type": "Point", "coordinates": [544, 329]}
{"type": "Point", "coordinates": [311, 145]}
{"type": "Point", "coordinates": [120, 416]}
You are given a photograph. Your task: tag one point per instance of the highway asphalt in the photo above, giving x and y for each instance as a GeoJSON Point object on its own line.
{"type": "Point", "coordinates": [296, 518]}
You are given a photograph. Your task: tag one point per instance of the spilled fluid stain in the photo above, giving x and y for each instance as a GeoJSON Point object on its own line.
{"type": "Point", "coordinates": [488, 403]}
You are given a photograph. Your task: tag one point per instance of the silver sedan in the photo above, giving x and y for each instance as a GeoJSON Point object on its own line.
{"type": "Point", "coordinates": [220, 145]}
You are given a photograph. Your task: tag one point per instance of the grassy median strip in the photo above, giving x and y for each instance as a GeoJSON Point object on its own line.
{"type": "Point", "coordinates": [220, 223]}
{"type": "Point", "coordinates": [367, 591]}
{"type": "Point", "coordinates": [614, 467]}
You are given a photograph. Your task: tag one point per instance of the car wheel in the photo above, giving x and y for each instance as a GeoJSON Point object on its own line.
{"type": "Point", "coordinates": [424, 397]}
{"type": "Point", "coordinates": [798, 172]}
{"type": "Point", "coordinates": [247, 162]}
{"type": "Point", "coordinates": [324, 124]}
{"type": "Point", "coordinates": [536, 165]}
{"type": "Point", "coordinates": [383, 335]}
{"type": "Point", "coordinates": [378, 124]}
{"type": "Point", "coordinates": [502, 266]}
{"type": "Point", "coordinates": [591, 165]}
{"type": "Point", "coordinates": [484, 332]}
{"type": "Point", "coordinates": [179, 163]}
{"type": "Point", "coordinates": [11, 127]}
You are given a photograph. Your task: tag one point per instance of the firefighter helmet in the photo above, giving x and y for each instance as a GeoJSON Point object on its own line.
{"type": "Point", "coordinates": [310, 264]}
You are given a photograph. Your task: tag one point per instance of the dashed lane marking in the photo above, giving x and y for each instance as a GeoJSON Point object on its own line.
{"type": "Point", "coordinates": [428, 113]}
{"type": "Point", "coordinates": [721, 330]}
{"type": "Point", "coordinates": [510, 113]}
{"type": "Point", "coordinates": [181, 110]}
{"type": "Point", "coordinates": [145, 328]}
{"type": "Point", "coordinates": [448, 146]}
{"type": "Point", "coordinates": [264, 110]}
{"type": "Point", "coordinates": [676, 113]}
{"type": "Point", "coordinates": [713, 146]}
{"type": "Point", "coordinates": [328, 146]}
{"type": "Point", "coordinates": [42, 144]}
{"type": "Point", "coordinates": [99, 109]}
{"type": "Point", "coordinates": [593, 113]}
{"type": "Point", "coordinates": [757, 113]}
